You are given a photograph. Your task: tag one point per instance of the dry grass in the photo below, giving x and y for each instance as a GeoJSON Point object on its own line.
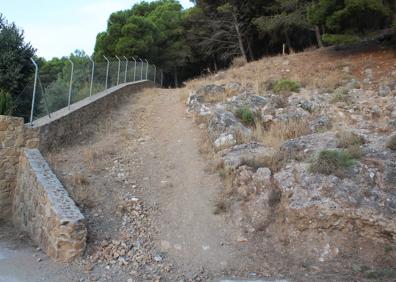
{"type": "Point", "coordinates": [80, 180]}
{"type": "Point", "coordinates": [304, 67]}
{"type": "Point", "coordinates": [238, 62]}
{"type": "Point", "coordinates": [347, 138]}
{"type": "Point", "coordinates": [93, 155]}
{"type": "Point", "coordinates": [278, 132]}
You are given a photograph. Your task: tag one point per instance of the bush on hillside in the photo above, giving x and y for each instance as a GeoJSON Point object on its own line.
{"type": "Point", "coordinates": [285, 85]}
{"type": "Point", "coordinates": [246, 115]}
{"type": "Point", "coordinates": [332, 162]}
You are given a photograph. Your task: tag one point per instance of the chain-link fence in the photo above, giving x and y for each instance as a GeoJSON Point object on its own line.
{"type": "Point", "coordinates": [80, 78]}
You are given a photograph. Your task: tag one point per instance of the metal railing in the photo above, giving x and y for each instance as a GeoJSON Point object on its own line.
{"type": "Point", "coordinates": [81, 77]}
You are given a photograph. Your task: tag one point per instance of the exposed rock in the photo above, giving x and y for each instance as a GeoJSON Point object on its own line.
{"type": "Point", "coordinates": [259, 198]}
{"type": "Point", "coordinates": [284, 114]}
{"type": "Point", "coordinates": [223, 123]}
{"type": "Point", "coordinates": [233, 86]}
{"type": "Point", "coordinates": [225, 140]}
{"type": "Point", "coordinates": [304, 146]}
{"type": "Point", "coordinates": [313, 201]}
{"type": "Point", "coordinates": [247, 99]}
{"type": "Point", "coordinates": [384, 90]}
{"type": "Point", "coordinates": [210, 89]}
{"type": "Point", "coordinates": [320, 123]}
{"type": "Point", "coordinates": [195, 105]}
{"type": "Point", "coordinates": [250, 154]}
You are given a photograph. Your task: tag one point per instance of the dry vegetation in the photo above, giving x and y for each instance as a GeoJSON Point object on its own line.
{"type": "Point", "coordinates": [304, 68]}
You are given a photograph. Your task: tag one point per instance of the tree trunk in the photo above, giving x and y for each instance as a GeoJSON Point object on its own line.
{"type": "Point", "coordinates": [318, 39]}
{"type": "Point", "coordinates": [288, 44]}
{"type": "Point", "coordinates": [176, 78]}
{"type": "Point", "coordinates": [240, 40]}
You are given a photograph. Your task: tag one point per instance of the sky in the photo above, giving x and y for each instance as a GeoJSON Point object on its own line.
{"type": "Point", "coordinates": [56, 27]}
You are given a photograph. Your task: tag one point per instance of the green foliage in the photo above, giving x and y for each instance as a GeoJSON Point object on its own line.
{"type": "Point", "coordinates": [340, 39]}
{"type": "Point", "coordinates": [332, 162]}
{"type": "Point", "coordinates": [15, 66]}
{"type": "Point", "coordinates": [149, 30]}
{"type": "Point", "coordinates": [6, 103]}
{"type": "Point", "coordinates": [285, 85]}
{"type": "Point", "coordinates": [246, 115]}
{"type": "Point", "coordinates": [346, 20]}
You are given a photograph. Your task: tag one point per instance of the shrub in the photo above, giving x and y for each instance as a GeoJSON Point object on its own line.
{"type": "Point", "coordinates": [6, 104]}
{"type": "Point", "coordinates": [340, 95]}
{"type": "Point", "coordinates": [332, 162]}
{"type": "Point", "coordinates": [285, 85]}
{"type": "Point", "coordinates": [391, 144]}
{"type": "Point", "coordinates": [340, 39]}
{"type": "Point", "coordinates": [246, 115]}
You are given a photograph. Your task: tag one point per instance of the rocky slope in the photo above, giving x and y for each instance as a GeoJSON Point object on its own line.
{"type": "Point", "coordinates": [309, 157]}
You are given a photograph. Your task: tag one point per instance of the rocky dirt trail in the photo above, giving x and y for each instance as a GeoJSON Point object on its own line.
{"type": "Point", "coordinates": [143, 186]}
{"type": "Point", "coordinates": [184, 192]}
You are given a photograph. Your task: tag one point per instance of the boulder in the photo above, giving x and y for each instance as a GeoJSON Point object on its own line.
{"type": "Point", "coordinates": [304, 146]}
{"type": "Point", "coordinates": [319, 202]}
{"type": "Point", "coordinates": [225, 140]}
{"type": "Point", "coordinates": [223, 123]}
{"type": "Point", "coordinates": [253, 154]}
{"type": "Point", "coordinates": [246, 99]}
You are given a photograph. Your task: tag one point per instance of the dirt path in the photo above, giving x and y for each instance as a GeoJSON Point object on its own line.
{"type": "Point", "coordinates": [188, 228]}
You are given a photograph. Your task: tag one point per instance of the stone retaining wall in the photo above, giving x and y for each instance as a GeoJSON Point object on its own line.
{"type": "Point", "coordinates": [67, 126]}
{"type": "Point", "coordinates": [42, 208]}
{"type": "Point", "coordinates": [13, 136]}
{"type": "Point", "coordinates": [30, 193]}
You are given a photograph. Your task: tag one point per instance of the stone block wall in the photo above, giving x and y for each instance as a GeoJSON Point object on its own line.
{"type": "Point", "coordinates": [43, 209]}
{"type": "Point", "coordinates": [13, 136]}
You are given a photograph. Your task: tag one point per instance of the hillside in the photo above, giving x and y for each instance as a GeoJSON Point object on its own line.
{"type": "Point", "coordinates": [283, 169]}
{"type": "Point", "coordinates": [305, 145]}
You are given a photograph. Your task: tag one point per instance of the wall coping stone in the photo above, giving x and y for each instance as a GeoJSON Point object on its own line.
{"type": "Point", "coordinates": [63, 205]}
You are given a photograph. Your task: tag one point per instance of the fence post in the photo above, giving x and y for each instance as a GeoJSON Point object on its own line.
{"type": "Point", "coordinates": [92, 76]}
{"type": "Point", "coordinates": [119, 66]}
{"type": "Point", "coordinates": [147, 66]}
{"type": "Point", "coordinates": [126, 69]}
{"type": "Point", "coordinates": [34, 90]}
{"type": "Point", "coordinates": [155, 72]}
{"type": "Point", "coordinates": [134, 70]}
{"type": "Point", "coordinates": [71, 82]}
{"type": "Point", "coordinates": [107, 71]}
{"type": "Point", "coordinates": [141, 70]}
{"type": "Point", "coordinates": [162, 78]}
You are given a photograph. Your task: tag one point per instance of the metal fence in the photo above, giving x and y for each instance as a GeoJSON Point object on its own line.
{"type": "Point", "coordinates": [82, 78]}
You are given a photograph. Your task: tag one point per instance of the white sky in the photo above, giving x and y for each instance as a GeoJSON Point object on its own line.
{"type": "Point", "coordinates": [57, 28]}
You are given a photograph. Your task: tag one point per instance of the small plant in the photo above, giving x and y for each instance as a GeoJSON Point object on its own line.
{"type": "Point", "coordinates": [348, 138]}
{"type": "Point", "coordinates": [351, 142]}
{"type": "Point", "coordinates": [246, 115]}
{"type": "Point", "coordinates": [332, 162]}
{"type": "Point", "coordinates": [340, 95]}
{"type": "Point", "coordinates": [391, 144]}
{"type": "Point", "coordinates": [285, 85]}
